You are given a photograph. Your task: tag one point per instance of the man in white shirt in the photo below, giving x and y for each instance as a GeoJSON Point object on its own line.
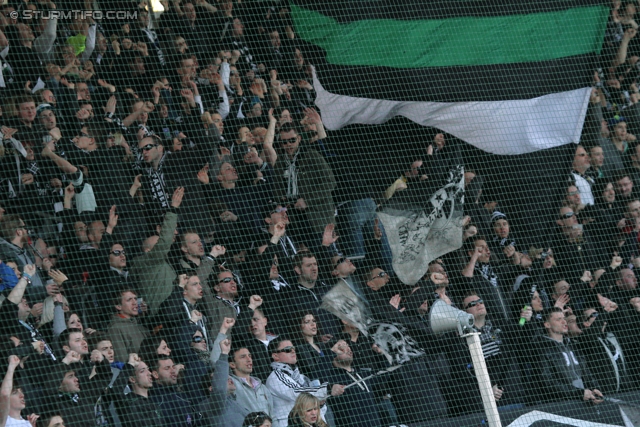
{"type": "Point", "coordinates": [12, 400]}
{"type": "Point", "coordinates": [582, 162]}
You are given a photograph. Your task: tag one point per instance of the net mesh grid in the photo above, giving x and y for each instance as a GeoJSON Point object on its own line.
{"type": "Point", "coordinates": [256, 213]}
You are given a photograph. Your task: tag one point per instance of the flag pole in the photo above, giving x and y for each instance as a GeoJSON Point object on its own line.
{"type": "Point", "coordinates": [484, 382]}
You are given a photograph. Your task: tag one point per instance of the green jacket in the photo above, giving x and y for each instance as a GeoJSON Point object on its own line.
{"type": "Point", "coordinates": [126, 336]}
{"type": "Point", "coordinates": [315, 184]}
{"type": "Point", "coordinates": [151, 269]}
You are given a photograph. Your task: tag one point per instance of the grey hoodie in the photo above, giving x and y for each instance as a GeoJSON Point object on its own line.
{"type": "Point", "coordinates": [221, 409]}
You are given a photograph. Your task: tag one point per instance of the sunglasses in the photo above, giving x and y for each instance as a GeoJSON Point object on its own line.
{"type": "Point", "coordinates": [226, 280]}
{"type": "Point", "coordinates": [593, 315]}
{"type": "Point", "coordinates": [198, 339]}
{"type": "Point", "coordinates": [278, 210]}
{"type": "Point", "coordinates": [118, 253]}
{"type": "Point", "coordinates": [573, 193]}
{"type": "Point", "coordinates": [149, 147]}
{"type": "Point", "coordinates": [567, 215]}
{"type": "Point", "coordinates": [287, 349]}
{"type": "Point", "coordinates": [474, 303]}
{"type": "Point", "coordinates": [289, 141]}
{"type": "Point", "coordinates": [381, 274]}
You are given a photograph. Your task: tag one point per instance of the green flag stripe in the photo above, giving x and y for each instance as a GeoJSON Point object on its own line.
{"type": "Point", "coordinates": [464, 41]}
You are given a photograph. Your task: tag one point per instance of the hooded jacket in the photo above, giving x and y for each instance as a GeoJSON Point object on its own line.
{"type": "Point", "coordinates": [563, 370]}
{"type": "Point", "coordinates": [258, 399]}
{"type": "Point", "coordinates": [221, 409]}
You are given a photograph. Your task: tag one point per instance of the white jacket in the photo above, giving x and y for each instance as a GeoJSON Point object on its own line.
{"type": "Point", "coordinates": [285, 384]}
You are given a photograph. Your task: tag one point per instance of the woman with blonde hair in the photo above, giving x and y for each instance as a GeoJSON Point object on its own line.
{"type": "Point", "coordinates": [306, 412]}
{"type": "Point", "coordinates": [52, 321]}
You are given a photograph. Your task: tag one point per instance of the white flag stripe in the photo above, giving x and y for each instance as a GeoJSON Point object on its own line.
{"type": "Point", "coordinates": [507, 127]}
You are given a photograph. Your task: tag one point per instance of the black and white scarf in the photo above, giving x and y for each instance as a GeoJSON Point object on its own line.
{"type": "Point", "coordinates": [157, 186]}
{"type": "Point", "coordinates": [487, 272]}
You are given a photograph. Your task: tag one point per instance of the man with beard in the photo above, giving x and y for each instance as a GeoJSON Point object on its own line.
{"type": "Point", "coordinates": [14, 247]}
{"type": "Point", "coordinates": [356, 406]}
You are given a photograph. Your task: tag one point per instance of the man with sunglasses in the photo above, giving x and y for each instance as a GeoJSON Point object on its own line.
{"type": "Point", "coordinates": [305, 180]}
{"type": "Point", "coordinates": [286, 382]}
{"type": "Point", "coordinates": [106, 279]}
{"type": "Point", "coordinates": [162, 174]}
{"type": "Point", "coordinates": [464, 396]}
{"type": "Point", "coordinates": [576, 249]}
{"type": "Point", "coordinates": [226, 305]}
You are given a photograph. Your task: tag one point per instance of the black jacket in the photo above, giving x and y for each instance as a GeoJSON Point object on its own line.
{"type": "Point", "coordinates": [604, 353]}
{"type": "Point", "coordinates": [174, 406]}
{"type": "Point", "coordinates": [139, 411]}
{"type": "Point", "coordinates": [357, 406]}
{"type": "Point", "coordinates": [562, 370]}
{"type": "Point", "coordinates": [575, 258]}
{"type": "Point", "coordinates": [463, 394]}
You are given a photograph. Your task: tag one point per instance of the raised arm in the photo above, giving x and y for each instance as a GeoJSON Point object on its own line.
{"type": "Point", "coordinates": [270, 155]}
{"type": "Point", "coordinates": [5, 389]}
{"type": "Point", "coordinates": [467, 271]}
{"type": "Point", "coordinates": [18, 291]}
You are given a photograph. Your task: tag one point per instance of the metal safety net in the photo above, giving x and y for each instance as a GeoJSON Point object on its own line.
{"type": "Point", "coordinates": [319, 213]}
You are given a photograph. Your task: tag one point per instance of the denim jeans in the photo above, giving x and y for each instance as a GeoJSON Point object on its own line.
{"type": "Point", "coordinates": [357, 219]}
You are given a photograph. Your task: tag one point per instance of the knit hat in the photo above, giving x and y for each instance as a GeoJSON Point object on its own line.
{"type": "Point", "coordinates": [43, 107]}
{"type": "Point", "coordinates": [496, 216]}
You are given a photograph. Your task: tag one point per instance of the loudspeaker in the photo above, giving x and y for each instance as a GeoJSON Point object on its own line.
{"type": "Point", "coordinates": [444, 318]}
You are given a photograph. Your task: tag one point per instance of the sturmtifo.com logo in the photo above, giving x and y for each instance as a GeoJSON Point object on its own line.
{"type": "Point", "coordinates": [98, 15]}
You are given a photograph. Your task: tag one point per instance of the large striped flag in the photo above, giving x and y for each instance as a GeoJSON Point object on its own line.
{"type": "Point", "coordinates": [507, 76]}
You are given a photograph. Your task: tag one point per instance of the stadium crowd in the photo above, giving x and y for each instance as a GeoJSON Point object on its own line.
{"type": "Point", "coordinates": [172, 212]}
